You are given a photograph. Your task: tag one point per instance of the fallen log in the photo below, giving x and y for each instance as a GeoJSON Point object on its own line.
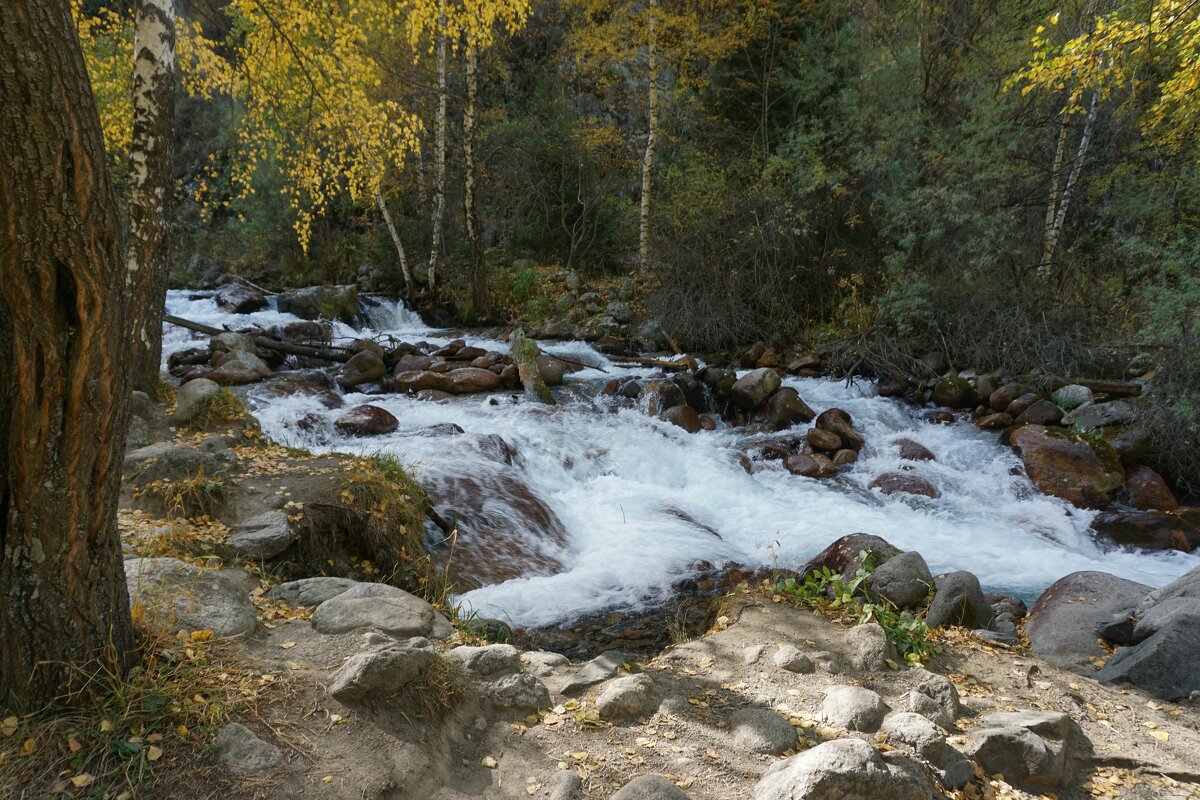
{"type": "Point", "coordinates": [683, 365]}
{"type": "Point", "coordinates": [524, 354]}
{"type": "Point", "coordinates": [1111, 388]}
{"type": "Point", "coordinates": [335, 354]}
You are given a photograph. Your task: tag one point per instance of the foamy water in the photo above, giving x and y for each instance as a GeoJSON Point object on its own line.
{"type": "Point", "coordinates": [612, 476]}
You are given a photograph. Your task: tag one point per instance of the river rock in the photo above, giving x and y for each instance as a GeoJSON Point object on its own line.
{"type": "Point", "coordinates": [683, 417]}
{"type": "Point", "coordinates": [650, 787]}
{"type": "Point", "coordinates": [519, 692]}
{"type": "Point", "coordinates": [1062, 626]}
{"type": "Point", "coordinates": [892, 387]}
{"type": "Point", "coordinates": [935, 697]}
{"type": "Point", "coordinates": [1131, 444]}
{"type": "Point", "coordinates": [240, 751]}
{"type": "Point", "coordinates": [844, 769]}
{"type": "Point", "coordinates": [599, 669]}
{"type": "Point", "coordinates": [920, 734]}
{"type": "Point", "coordinates": [630, 696]}
{"type": "Point", "coordinates": [414, 381]}
{"type": "Point", "coordinates": [810, 466]}
{"type": "Point", "coordinates": [825, 441]}
{"type": "Point", "coordinates": [1036, 750]}
{"type": "Point", "coordinates": [914, 451]}
{"type": "Point", "coordinates": [543, 663]}
{"type": "Point", "coordinates": [239, 367]}
{"type": "Point", "coordinates": [890, 483]}
{"type": "Point", "coordinates": [321, 302]}
{"type": "Point", "coordinates": [785, 408]}
{"type": "Point", "coordinates": [752, 389]}
{"type": "Point", "coordinates": [386, 608]}
{"type": "Point", "coordinates": [1003, 397]}
{"type": "Point", "coordinates": [192, 398]}
{"type": "Point", "coordinates": [1072, 396]}
{"type": "Point", "coordinates": [231, 342]}
{"type": "Point", "coordinates": [869, 647]}
{"type": "Point", "coordinates": [371, 679]}
{"type": "Point", "coordinates": [1040, 412]}
{"type": "Point", "coordinates": [953, 392]}
{"type": "Point", "coordinates": [1069, 469]}
{"type": "Point", "coordinates": [904, 581]}
{"type": "Point", "coordinates": [1102, 415]}
{"type": "Point", "coordinates": [366, 420]}
{"type": "Point", "coordinates": [1167, 665]}
{"type": "Point", "coordinates": [469, 380]}
{"type": "Point", "coordinates": [363, 367]}
{"type": "Point", "coordinates": [789, 658]}
{"type": "Point", "coordinates": [840, 422]}
{"type": "Point", "coordinates": [758, 730]}
{"type": "Point", "coordinates": [1146, 490]}
{"type": "Point", "coordinates": [492, 659]}
{"type": "Point", "coordinates": [164, 461]}
{"type": "Point", "coordinates": [853, 708]}
{"type": "Point", "coordinates": [1018, 407]}
{"type": "Point", "coordinates": [177, 596]}
{"type": "Point", "coordinates": [1186, 585]}
{"type": "Point", "coordinates": [233, 298]}
{"type": "Point", "coordinates": [310, 591]}
{"type": "Point", "coordinates": [619, 311]}
{"type": "Point", "coordinates": [552, 369]}
{"type": "Point", "coordinates": [842, 556]}
{"type": "Point", "coordinates": [1151, 530]}
{"type": "Point", "coordinates": [261, 537]}
{"type": "Point", "coordinates": [959, 600]}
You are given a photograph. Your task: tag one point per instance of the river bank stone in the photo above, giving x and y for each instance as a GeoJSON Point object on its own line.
{"type": "Point", "coordinates": [853, 708]}
{"type": "Point", "coordinates": [959, 600]}
{"type": "Point", "coordinates": [243, 753]}
{"type": "Point", "coordinates": [1063, 623]}
{"type": "Point", "coordinates": [903, 580]}
{"type": "Point", "coordinates": [262, 537]}
{"type": "Point", "coordinates": [650, 787]}
{"type": "Point", "coordinates": [385, 608]}
{"type": "Point", "coordinates": [371, 679]}
{"type": "Point", "coordinates": [758, 730]}
{"type": "Point", "coordinates": [310, 591]}
{"type": "Point", "coordinates": [630, 696]}
{"type": "Point", "coordinates": [599, 669]}
{"type": "Point", "coordinates": [177, 596]}
{"type": "Point", "coordinates": [1037, 750]}
{"type": "Point", "coordinates": [936, 698]}
{"type": "Point", "coordinates": [844, 769]}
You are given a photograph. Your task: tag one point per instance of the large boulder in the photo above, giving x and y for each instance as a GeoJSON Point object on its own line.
{"type": "Point", "coordinates": [373, 679]}
{"type": "Point", "coordinates": [164, 461]}
{"type": "Point", "coordinates": [840, 422]}
{"type": "Point", "coordinates": [1102, 415]}
{"type": "Point", "coordinates": [923, 737]}
{"type": "Point", "coordinates": [321, 302]}
{"type": "Point", "coordinates": [1146, 490]}
{"type": "Point", "coordinates": [953, 392]}
{"type": "Point", "coordinates": [192, 398]}
{"type": "Point", "coordinates": [786, 408]}
{"type": "Point", "coordinates": [233, 298]}
{"type": "Point", "coordinates": [364, 366]}
{"type": "Point", "coordinates": [176, 596]}
{"type": "Point", "coordinates": [1151, 530]}
{"type": "Point", "coordinates": [492, 659]}
{"type": "Point", "coordinates": [843, 555]}
{"type": "Point", "coordinates": [1167, 665]}
{"type": "Point", "coordinates": [518, 692]}
{"type": "Point", "coordinates": [383, 607]}
{"type": "Point", "coordinates": [630, 696]}
{"type": "Point", "coordinates": [239, 367]}
{"type": "Point", "coordinates": [261, 537]}
{"type": "Point", "coordinates": [684, 417]}
{"type": "Point", "coordinates": [752, 389]}
{"type": "Point", "coordinates": [890, 483]}
{"type": "Point", "coordinates": [1069, 469]}
{"type": "Point", "coordinates": [853, 708]}
{"type": "Point", "coordinates": [959, 600]}
{"type": "Point", "coordinates": [310, 591]}
{"type": "Point", "coordinates": [903, 580]}
{"type": "Point", "coordinates": [1037, 750]}
{"type": "Point", "coordinates": [1039, 412]}
{"type": "Point", "coordinates": [1062, 626]}
{"type": "Point", "coordinates": [1072, 396]}
{"type": "Point", "coordinates": [469, 380]}
{"type": "Point", "coordinates": [844, 769]}
{"type": "Point", "coordinates": [366, 420]}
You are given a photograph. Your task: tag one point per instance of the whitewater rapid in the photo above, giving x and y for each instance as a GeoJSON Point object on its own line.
{"type": "Point", "coordinates": [612, 478]}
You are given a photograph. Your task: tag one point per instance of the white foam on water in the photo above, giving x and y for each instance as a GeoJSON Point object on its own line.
{"type": "Point", "coordinates": [613, 477]}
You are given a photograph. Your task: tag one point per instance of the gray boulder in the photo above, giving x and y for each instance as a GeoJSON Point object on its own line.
{"type": "Point", "coordinates": [853, 708]}
{"type": "Point", "coordinates": [923, 737]}
{"type": "Point", "coordinates": [493, 659]}
{"type": "Point", "coordinates": [631, 696]}
{"type": "Point", "coordinates": [191, 399]}
{"type": "Point", "coordinates": [953, 392]}
{"type": "Point", "coordinates": [171, 462]}
{"type": "Point", "coordinates": [752, 389]}
{"type": "Point", "coordinates": [935, 697]}
{"type": "Point", "coordinates": [599, 669]}
{"type": "Point", "coordinates": [844, 769]}
{"type": "Point", "coordinates": [177, 596]}
{"type": "Point", "coordinates": [239, 367]}
{"type": "Point", "coordinates": [1062, 626]}
{"type": "Point", "coordinates": [650, 787]}
{"type": "Point", "coordinates": [959, 600]}
{"type": "Point", "coordinates": [1036, 750]}
{"type": "Point", "coordinates": [262, 537]}
{"type": "Point", "coordinates": [321, 302]}
{"type": "Point", "coordinates": [363, 367]}
{"type": "Point", "coordinates": [563, 785]}
{"type": "Point", "coordinates": [523, 693]}
{"type": "Point", "coordinates": [758, 730]}
{"type": "Point", "coordinates": [1167, 665]}
{"type": "Point", "coordinates": [372, 679]}
{"type": "Point", "coordinates": [903, 580]}
{"type": "Point", "coordinates": [243, 753]}
{"type": "Point", "coordinates": [231, 342]}
{"type": "Point", "coordinates": [1072, 396]}
{"type": "Point", "coordinates": [789, 658]}
{"type": "Point", "coordinates": [1186, 585]}
{"type": "Point", "coordinates": [234, 298]}
{"type": "Point", "coordinates": [619, 311]}
{"type": "Point", "coordinates": [1101, 415]}
{"type": "Point", "coordinates": [310, 591]}
{"type": "Point", "coordinates": [385, 608]}
{"type": "Point", "coordinates": [543, 663]}
{"type": "Point", "coordinates": [1162, 614]}
{"type": "Point", "coordinates": [870, 648]}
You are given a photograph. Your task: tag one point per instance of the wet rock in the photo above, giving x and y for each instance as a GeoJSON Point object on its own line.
{"type": "Point", "coordinates": [177, 596]}
{"type": "Point", "coordinates": [758, 730]}
{"type": "Point", "coordinates": [870, 650]}
{"type": "Point", "coordinates": [552, 369]}
{"type": "Point", "coordinates": [231, 342]}
{"type": "Point", "coordinates": [914, 451]}
{"type": "Point", "coordinates": [905, 483]}
{"type": "Point", "coordinates": [809, 466]}
{"type": "Point", "coordinates": [789, 658]}
{"type": "Point", "coordinates": [953, 392]}
{"type": "Point", "coordinates": [844, 458]}
{"type": "Point", "coordinates": [844, 769]}
{"type": "Point", "coordinates": [366, 420]}
{"type": "Point", "coordinates": [1036, 750]}
{"type": "Point", "coordinates": [1062, 626]}
{"type": "Point", "coordinates": [892, 387]}
{"type": "Point", "coordinates": [233, 298]}
{"type": "Point", "coordinates": [804, 361]}
{"type": "Point", "coordinates": [853, 708]}
{"type": "Point", "coordinates": [904, 581]}
{"type": "Point", "coordinates": [371, 679]}
{"type": "Point", "coordinates": [995, 421]}
{"type": "Point", "coordinates": [936, 698]}
{"type": "Point", "coordinates": [959, 601]}
{"type": "Point", "coordinates": [239, 367]}
{"type": "Point", "coordinates": [363, 367]}
{"type": "Point", "coordinates": [385, 608]}
{"type": "Point", "coordinates": [414, 381]}
{"type": "Point", "coordinates": [321, 302]}
{"type": "Point", "coordinates": [470, 380]}
{"type": "Point", "coordinates": [842, 556]}
{"type": "Point", "coordinates": [1041, 412]}
{"type": "Point", "coordinates": [785, 408]}
{"type": "Point", "coordinates": [1151, 530]}
{"type": "Point", "coordinates": [493, 659]}
{"type": "Point", "coordinates": [630, 696]}
{"type": "Point", "coordinates": [1018, 407]}
{"type": "Point", "coordinates": [825, 441]}
{"type": "Point", "coordinates": [650, 787]}
{"type": "Point", "coordinates": [599, 669]}
{"type": "Point", "coordinates": [1069, 469]}
{"type": "Point", "coordinates": [261, 537]}
{"type": "Point", "coordinates": [522, 693]}
{"type": "Point", "coordinates": [838, 421]}
{"type": "Point", "coordinates": [192, 398]}
{"type": "Point", "coordinates": [683, 417]}
{"type": "Point", "coordinates": [310, 591]}
{"type": "Point", "coordinates": [1102, 415]}
{"type": "Point", "coordinates": [1146, 490]}
{"type": "Point", "coordinates": [752, 389]}
{"type": "Point", "coordinates": [1131, 445]}
{"type": "Point", "coordinates": [243, 753]}
{"type": "Point", "coordinates": [1003, 397]}
{"type": "Point", "coordinates": [542, 663]}
{"type": "Point", "coordinates": [1072, 396]}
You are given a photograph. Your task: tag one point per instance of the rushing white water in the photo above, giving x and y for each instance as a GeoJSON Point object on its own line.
{"type": "Point", "coordinates": [613, 477]}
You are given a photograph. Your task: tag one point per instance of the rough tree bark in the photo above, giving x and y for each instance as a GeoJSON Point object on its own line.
{"type": "Point", "coordinates": [399, 244]}
{"type": "Point", "coordinates": [651, 138]}
{"type": "Point", "coordinates": [479, 276]}
{"type": "Point", "coordinates": [1054, 229]}
{"type": "Point", "coordinates": [147, 259]}
{"type": "Point", "coordinates": [439, 187]}
{"type": "Point", "coordinates": [64, 363]}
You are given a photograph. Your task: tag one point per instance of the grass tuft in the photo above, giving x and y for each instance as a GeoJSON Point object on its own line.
{"type": "Point", "coordinates": [198, 495]}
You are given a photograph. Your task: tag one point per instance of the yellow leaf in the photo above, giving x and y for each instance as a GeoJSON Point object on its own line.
{"type": "Point", "coordinates": [154, 754]}
{"type": "Point", "coordinates": [73, 745]}
{"type": "Point", "coordinates": [287, 645]}
{"type": "Point", "coordinates": [106, 726]}
{"type": "Point", "coordinates": [8, 726]}
{"type": "Point", "coordinates": [182, 730]}
{"type": "Point", "coordinates": [28, 748]}
{"type": "Point", "coordinates": [327, 779]}
{"type": "Point", "coordinates": [1162, 736]}
{"type": "Point", "coordinates": [81, 780]}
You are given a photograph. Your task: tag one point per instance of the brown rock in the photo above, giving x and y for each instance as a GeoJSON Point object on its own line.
{"type": "Point", "coordinates": [844, 457]}
{"type": "Point", "coordinates": [904, 483]}
{"type": "Point", "coordinates": [914, 451]}
{"type": "Point", "coordinates": [753, 388]}
{"type": "Point", "coordinates": [808, 466]}
{"type": "Point", "coordinates": [684, 417]}
{"type": "Point", "coordinates": [892, 387]}
{"type": "Point", "coordinates": [1041, 412]}
{"type": "Point", "coordinates": [842, 556]}
{"type": "Point", "coordinates": [1017, 407]}
{"type": "Point", "coordinates": [786, 408]}
{"type": "Point", "coordinates": [1151, 530]}
{"type": "Point", "coordinates": [838, 421]}
{"type": "Point", "coordinates": [1072, 470]}
{"type": "Point", "coordinates": [469, 380]}
{"type": "Point", "coordinates": [366, 420]}
{"type": "Point", "coordinates": [809, 361]}
{"type": "Point", "coordinates": [1146, 490]}
{"type": "Point", "coordinates": [416, 381]}
{"type": "Point", "coordinates": [769, 358]}
{"type": "Point", "coordinates": [991, 422]}
{"type": "Point", "coordinates": [413, 362]}
{"type": "Point", "coordinates": [824, 441]}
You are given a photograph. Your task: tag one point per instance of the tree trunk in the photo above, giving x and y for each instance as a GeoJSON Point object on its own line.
{"type": "Point", "coordinates": [479, 275]}
{"type": "Point", "coordinates": [1060, 151]}
{"type": "Point", "coordinates": [439, 180]}
{"type": "Point", "coordinates": [147, 257]}
{"type": "Point", "coordinates": [391, 226]}
{"type": "Point", "coordinates": [1064, 202]}
{"type": "Point", "coordinates": [64, 363]}
{"type": "Point", "coordinates": [651, 139]}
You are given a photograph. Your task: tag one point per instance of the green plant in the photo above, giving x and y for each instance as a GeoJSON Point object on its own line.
{"type": "Point", "coordinates": [845, 599]}
{"type": "Point", "coordinates": [524, 283]}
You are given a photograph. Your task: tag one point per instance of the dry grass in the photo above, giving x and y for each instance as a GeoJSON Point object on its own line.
{"type": "Point", "coordinates": [222, 410]}
{"type": "Point", "coordinates": [430, 697]}
{"type": "Point", "coordinates": [198, 495]}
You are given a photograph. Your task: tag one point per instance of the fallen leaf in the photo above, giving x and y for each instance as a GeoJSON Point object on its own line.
{"type": "Point", "coordinates": [82, 779]}
{"type": "Point", "coordinates": [1162, 736]}
{"type": "Point", "coordinates": [489, 762]}
{"type": "Point", "coordinates": [154, 754]}
{"type": "Point", "coordinates": [73, 745]}
{"type": "Point", "coordinates": [8, 726]}
{"type": "Point", "coordinates": [287, 645]}
{"type": "Point", "coordinates": [28, 748]}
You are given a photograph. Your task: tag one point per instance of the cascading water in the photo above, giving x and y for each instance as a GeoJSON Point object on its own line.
{"type": "Point", "coordinates": [640, 499]}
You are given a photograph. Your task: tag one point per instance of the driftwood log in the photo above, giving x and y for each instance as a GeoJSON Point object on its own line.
{"type": "Point", "coordinates": [336, 354]}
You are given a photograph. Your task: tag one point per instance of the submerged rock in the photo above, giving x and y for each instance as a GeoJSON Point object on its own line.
{"type": "Point", "coordinates": [366, 420]}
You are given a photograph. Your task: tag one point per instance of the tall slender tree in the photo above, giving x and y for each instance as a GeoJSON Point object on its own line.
{"type": "Point", "coordinates": [64, 363]}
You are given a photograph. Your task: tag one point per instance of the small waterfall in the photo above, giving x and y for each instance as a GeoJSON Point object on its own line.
{"type": "Point", "coordinates": [391, 315]}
